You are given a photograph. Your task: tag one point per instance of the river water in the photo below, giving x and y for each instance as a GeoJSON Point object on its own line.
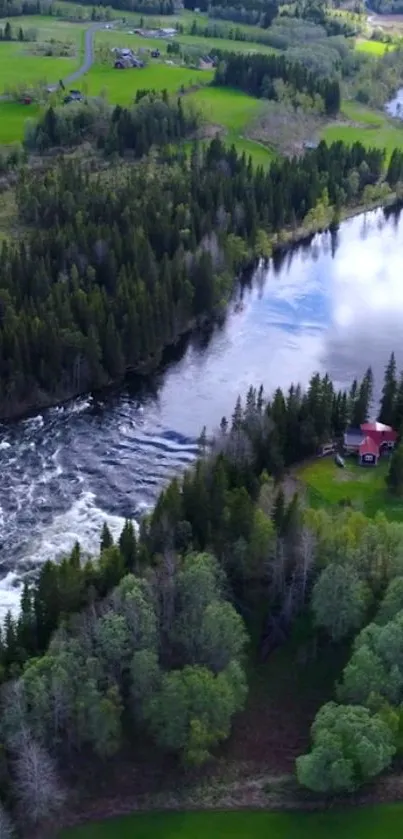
{"type": "Point", "coordinates": [335, 305]}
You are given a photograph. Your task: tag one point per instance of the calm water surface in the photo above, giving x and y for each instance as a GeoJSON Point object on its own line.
{"type": "Point", "coordinates": [334, 306]}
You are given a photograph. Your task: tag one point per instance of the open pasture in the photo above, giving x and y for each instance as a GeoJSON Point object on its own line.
{"type": "Point", "coordinates": [19, 65]}
{"type": "Point", "coordinates": [382, 135]}
{"type": "Point", "coordinates": [126, 38]}
{"type": "Point", "coordinates": [233, 110]}
{"type": "Point", "coordinates": [120, 86]}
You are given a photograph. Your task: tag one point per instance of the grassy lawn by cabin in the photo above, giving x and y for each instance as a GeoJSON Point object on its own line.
{"type": "Point", "coordinates": [376, 822]}
{"type": "Point", "coordinates": [364, 487]}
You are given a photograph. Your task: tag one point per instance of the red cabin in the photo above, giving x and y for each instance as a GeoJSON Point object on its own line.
{"type": "Point", "coordinates": [370, 441]}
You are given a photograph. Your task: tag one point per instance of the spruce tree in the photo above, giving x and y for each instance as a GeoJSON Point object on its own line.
{"type": "Point", "coordinates": [106, 538]}
{"type": "Point", "coordinates": [387, 408]}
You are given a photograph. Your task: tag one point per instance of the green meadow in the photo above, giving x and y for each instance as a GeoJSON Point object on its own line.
{"type": "Point", "coordinates": [363, 487]}
{"type": "Point", "coordinates": [359, 113]}
{"type": "Point", "coordinates": [18, 66]}
{"type": "Point", "coordinates": [13, 117]}
{"type": "Point", "coordinates": [120, 86]}
{"type": "Point", "coordinates": [376, 131]}
{"type": "Point", "coordinates": [233, 110]}
{"type": "Point", "coordinates": [126, 38]}
{"type": "Point", "coordinates": [376, 48]}
{"type": "Point", "coordinates": [377, 822]}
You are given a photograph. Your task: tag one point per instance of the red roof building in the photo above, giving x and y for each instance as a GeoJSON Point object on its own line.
{"type": "Point", "coordinates": [368, 452]}
{"type": "Point", "coordinates": [384, 435]}
{"type": "Point", "coordinates": [370, 441]}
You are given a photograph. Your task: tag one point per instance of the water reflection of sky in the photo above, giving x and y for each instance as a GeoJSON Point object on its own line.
{"type": "Point", "coordinates": [335, 306]}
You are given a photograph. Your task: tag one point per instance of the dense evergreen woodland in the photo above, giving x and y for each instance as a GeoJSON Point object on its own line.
{"type": "Point", "coordinates": [155, 120]}
{"type": "Point", "coordinates": [259, 75]}
{"type": "Point", "coordinates": [114, 265]}
{"type": "Point", "coordinates": [145, 645]}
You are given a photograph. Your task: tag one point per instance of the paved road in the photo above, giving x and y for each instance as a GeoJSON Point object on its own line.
{"type": "Point", "coordinates": [88, 53]}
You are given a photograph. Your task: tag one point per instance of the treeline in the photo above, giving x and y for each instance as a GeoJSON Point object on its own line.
{"type": "Point", "coordinates": [258, 75]}
{"type": "Point", "coordinates": [213, 507]}
{"type": "Point", "coordinates": [8, 33]}
{"type": "Point", "coordinates": [387, 7]}
{"type": "Point", "coordinates": [15, 8]}
{"type": "Point", "coordinates": [220, 30]}
{"type": "Point", "coordinates": [154, 119]}
{"type": "Point", "coordinates": [248, 11]}
{"type": "Point", "coordinates": [145, 640]}
{"type": "Point", "coordinates": [158, 663]}
{"type": "Point", "coordinates": [359, 589]}
{"type": "Point", "coordinates": [151, 7]}
{"type": "Point", "coordinates": [115, 266]}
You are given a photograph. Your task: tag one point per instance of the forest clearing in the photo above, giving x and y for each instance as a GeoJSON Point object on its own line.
{"type": "Point", "coordinates": [364, 489]}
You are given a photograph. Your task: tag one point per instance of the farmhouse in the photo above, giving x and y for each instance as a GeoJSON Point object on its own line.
{"type": "Point", "coordinates": [369, 442]}
{"type": "Point", "coordinates": [125, 58]}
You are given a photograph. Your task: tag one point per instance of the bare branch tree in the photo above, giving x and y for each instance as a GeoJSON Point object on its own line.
{"type": "Point", "coordinates": [37, 788]}
{"type": "Point", "coordinates": [6, 825]}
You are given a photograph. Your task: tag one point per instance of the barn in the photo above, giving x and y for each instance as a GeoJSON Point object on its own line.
{"type": "Point", "coordinates": [368, 452]}
{"type": "Point", "coordinates": [369, 442]}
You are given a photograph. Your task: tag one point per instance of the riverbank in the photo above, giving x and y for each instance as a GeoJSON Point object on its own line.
{"type": "Point", "coordinates": [289, 237]}
{"type": "Point", "coordinates": [276, 243]}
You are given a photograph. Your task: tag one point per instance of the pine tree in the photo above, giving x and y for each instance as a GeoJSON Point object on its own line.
{"type": "Point", "coordinates": [106, 537]}
{"type": "Point", "coordinates": [128, 545]}
{"type": "Point", "coordinates": [387, 408]}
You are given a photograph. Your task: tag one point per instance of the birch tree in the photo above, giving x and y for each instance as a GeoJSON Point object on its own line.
{"type": "Point", "coordinates": [37, 787]}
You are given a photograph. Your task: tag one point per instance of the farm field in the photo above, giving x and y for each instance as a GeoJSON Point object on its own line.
{"type": "Point", "coordinates": [120, 86]}
{"type": "Point", "coordinates": [19, 65]}
{"type": "Point", "coordinates": [222, 106]}
{"type": "Point", "coordinates": [382, 134]}
{"type": "Point", "coordinates": [13, 117]}
{"type": "Point", "coordinates": [48, 26]}
{"type": "Point", "coordinates": [374, 822]}
{"type": "Point", "coordinates": [123, 38]}
{"type": "Point", "coordinates": [327, 485]}
{"type": "Point", "coordinates": [185, 17]}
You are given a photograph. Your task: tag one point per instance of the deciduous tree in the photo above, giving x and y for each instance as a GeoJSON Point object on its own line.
{"type": "Point", "coordinates": [340, 600]}
{"type": "Point", "coordinates": [349, 746]}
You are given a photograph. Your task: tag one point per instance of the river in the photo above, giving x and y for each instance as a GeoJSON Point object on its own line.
{"type": "Point", "coordinates": [335, 305]}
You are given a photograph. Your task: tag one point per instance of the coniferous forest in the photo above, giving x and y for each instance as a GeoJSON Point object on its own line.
{"type": "Point", "coordinates": [146, 644]}
{"type": "Point", "coordinates": [258, 74]}
{"type": "Point", "coordinates": [115, 264]}
{"type": "Point", "coordinates": [147, 648]}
